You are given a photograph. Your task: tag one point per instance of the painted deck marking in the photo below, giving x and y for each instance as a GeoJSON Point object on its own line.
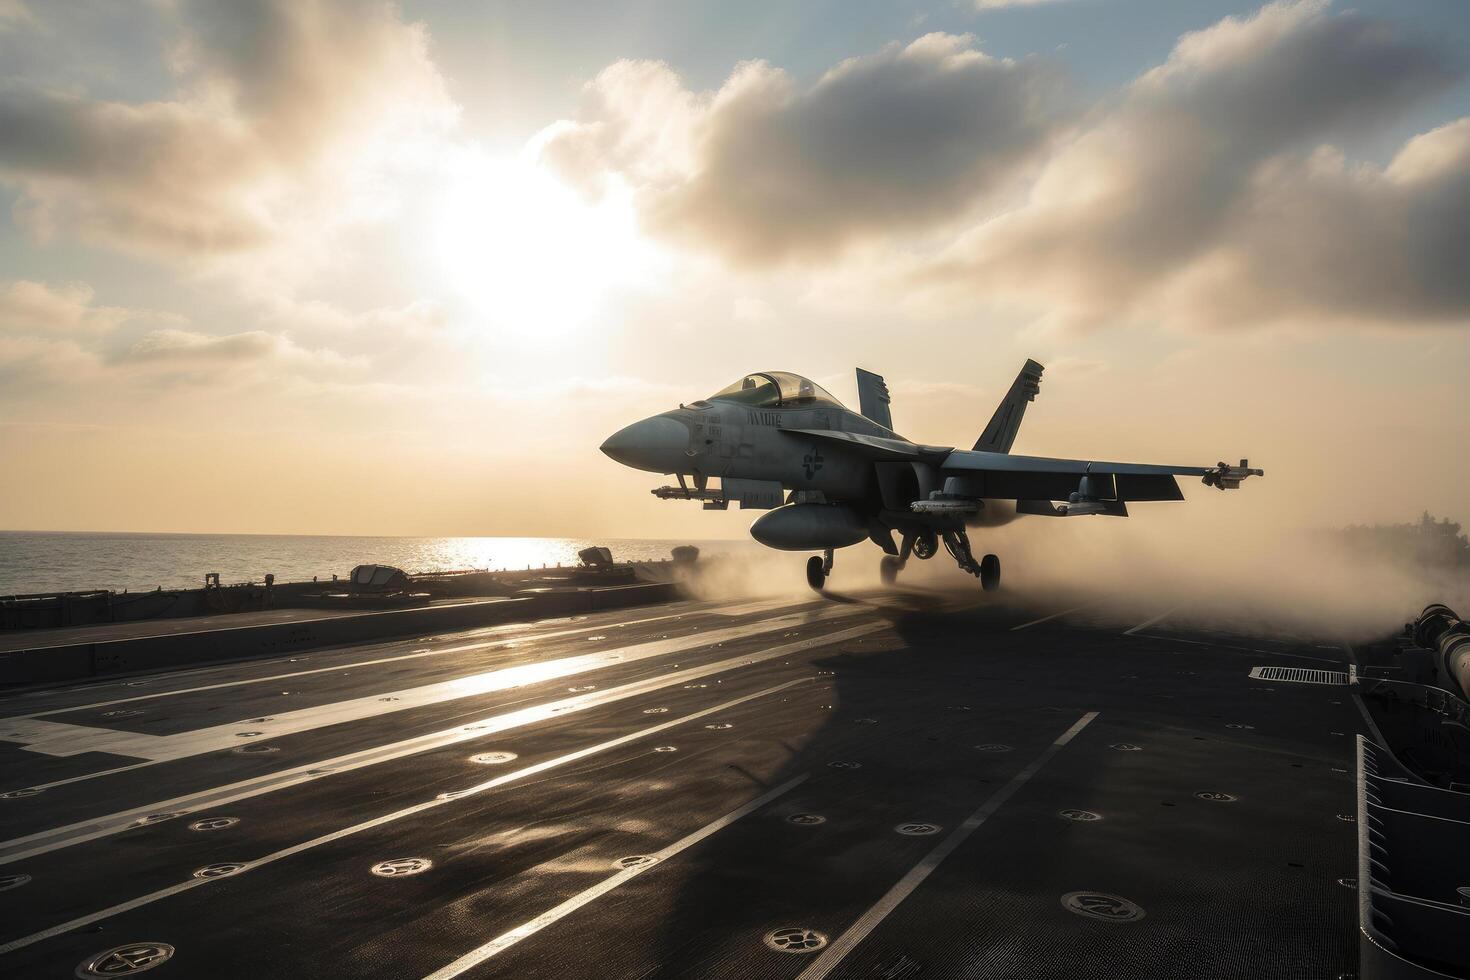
{"type": "Point", "coordinates": [65, 739]}
{"type": "Point", "coordinates": [1055, 615]}
{"type": "Point", "coordinates": [1358, 695]}
{"type": "Point", "coordinates": [387, 818]}
{"type": "Point", "coordinates": [517, 641]}
{"type": "Point", "coordinates": [508, 939]}
{"type": "Point", "coordinates": [1150, 622]}
{"type": "Point", "coordinates": [54, 838]}
{"type": "Point", "coordinates": [766, 605]}
{"type": "Point", "coordinates": [830, 957]}
{"type": "Point", "coordinates": [1231, 646]}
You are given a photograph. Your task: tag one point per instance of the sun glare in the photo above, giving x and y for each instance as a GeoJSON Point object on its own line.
{"type": "Point", "coordinates": [533, 255]}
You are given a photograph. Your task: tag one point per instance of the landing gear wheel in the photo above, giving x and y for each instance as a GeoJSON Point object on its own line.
{"type": "Point", "coordinates": [888, 569]}
{"type": "Point", "coordinates": [990, 573]}
{"type": "Point", "coordinates": [926, 545]}
{"type": "Point", "coordinates": [816, 574]}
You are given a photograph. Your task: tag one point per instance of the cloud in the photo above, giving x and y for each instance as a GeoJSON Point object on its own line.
{"type": "Point", "coordinates": [381, 327]}
{"type": "Point", "coordinates": [29, 307]}
{"type": "Point", "coordinates": [57, 336]}
{"type": "Point", "coordinates": [191, 347]}
{"type": "Point", "coordinates": [1205, 193]}
{"type": "Point", "coordinates": [1205, 196]}
{"type": "Point", "coordinates": [13, 14]}
{"type": "Point", "coordinates": [762, 170]}
{"type": "Point", "coordinates": [37, 363]}
{"type": "Point", "coordinates": [285, 111]}
{"type": "Point", "coordinates": [205, 354]}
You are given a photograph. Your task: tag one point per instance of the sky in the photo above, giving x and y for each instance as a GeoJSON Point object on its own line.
{"type": "Point", "coordinates": [307, 266]}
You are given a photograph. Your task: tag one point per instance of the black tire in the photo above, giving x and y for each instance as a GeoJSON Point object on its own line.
{"type": "Point", "coordinates": [990, 573]}
{"type": "Point", "coordinates": [888, 569]}
{"type": "Point", "coordinates": [926, 545]}
{"type": "Point", "coordinates": [816, 576]}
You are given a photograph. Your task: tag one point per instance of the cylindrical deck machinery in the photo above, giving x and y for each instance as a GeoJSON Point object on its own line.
{"type": "Point", "coordinates": [1441, 629]}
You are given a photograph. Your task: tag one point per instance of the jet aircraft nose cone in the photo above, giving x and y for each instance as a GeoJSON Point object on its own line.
{"type": "Point", "coordinates": [655, 444]}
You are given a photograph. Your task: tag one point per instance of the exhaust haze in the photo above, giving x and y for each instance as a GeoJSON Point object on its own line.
{"type": "Point", "coordinates": [1231, 567]}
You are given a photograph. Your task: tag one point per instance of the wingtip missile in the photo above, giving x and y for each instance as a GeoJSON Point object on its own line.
{"type": "Point", "coordinates": [1223, 476]}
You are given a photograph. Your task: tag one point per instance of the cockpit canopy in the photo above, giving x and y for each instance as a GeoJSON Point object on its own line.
{"type": "Point", "coordinates": [776, 389]}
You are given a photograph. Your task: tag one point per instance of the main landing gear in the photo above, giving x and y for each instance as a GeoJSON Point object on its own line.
{"type": "Point", "coordinates": [922, 545]}
{"type": "Point", "coordinates": [888, 569]}
{"type": "Point", "coordinates": [925, 544]}
{"type": "Point", "coordinates": [987, 570]}
{"type": "Point", "coordinates": [818, 568]}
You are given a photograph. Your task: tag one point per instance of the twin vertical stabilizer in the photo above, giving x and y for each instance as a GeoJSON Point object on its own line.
{"type": "Point", "coordinates": [1000, 434]}
{"type": "Point", "coordinates": [873, 398]}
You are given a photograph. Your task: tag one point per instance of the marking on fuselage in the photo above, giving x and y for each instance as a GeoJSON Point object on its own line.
{"type": "Point", "coordinates": [811, 463]}
{"type": "Point", "coordinates": [859, 930]}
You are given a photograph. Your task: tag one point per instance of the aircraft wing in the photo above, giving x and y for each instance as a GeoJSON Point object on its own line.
{"type": "Point", "coordinates": [1032, 480]}
{"type": "Point", "coordinates": [1007, 476]}
{"type": "Point", "coordinates": [963, 459]}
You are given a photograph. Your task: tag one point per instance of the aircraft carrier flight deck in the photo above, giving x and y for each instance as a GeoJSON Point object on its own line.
{"type": "Point", "coordinates": [873, 785]}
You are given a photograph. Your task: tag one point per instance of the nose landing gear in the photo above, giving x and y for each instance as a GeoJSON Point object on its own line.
{"type": "Point", "coordinates": [818, 568]}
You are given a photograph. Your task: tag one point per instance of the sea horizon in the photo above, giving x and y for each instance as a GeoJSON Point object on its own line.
{"type": "Point", "coordinates": [34, 562]}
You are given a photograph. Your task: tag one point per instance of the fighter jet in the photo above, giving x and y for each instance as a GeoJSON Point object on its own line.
{"type": "Point", "coordinates": [832, 477]}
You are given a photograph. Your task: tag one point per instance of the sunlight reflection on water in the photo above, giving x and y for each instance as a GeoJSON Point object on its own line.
{"type": "Point", "coordinates": [54, 561]}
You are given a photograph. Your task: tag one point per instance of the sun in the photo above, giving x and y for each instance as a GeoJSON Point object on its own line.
{"type": "Point", "coordinates": [534, 256]}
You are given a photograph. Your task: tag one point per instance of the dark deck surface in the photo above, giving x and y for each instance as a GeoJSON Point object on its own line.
{"type": "Point", "coordinates": [62, 636]}
{"type": "Point", "coordinates": [765, 752]}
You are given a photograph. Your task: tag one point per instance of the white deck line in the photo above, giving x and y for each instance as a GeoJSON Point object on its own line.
{"type": "Point", "coordinates": [386, 818]}
{"type": "Point", "coordinates": [1357, 693]}
{"type": "Point", "coordinates": [529, 928]}
{"type": "Point", "coordinates": [67, 739]}
{"type": "Point", "coordinates": [55, 838]}
{"type": "Point", "coordinates": [510, 642]}
{"type": "Point", "coordinates": [1055, 615]}
{"type": "Point", "coordinates": [830, 957]}
{"type": "Point", "coordinates": [1150, 622]}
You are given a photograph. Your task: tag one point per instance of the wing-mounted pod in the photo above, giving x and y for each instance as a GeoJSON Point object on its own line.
{"type": "Point", "coordinates": [1223, 476]}
{"type": "Point", "coordinates": [1072, 508]}
{"type": "Point", "coordinates": [1096, 493]}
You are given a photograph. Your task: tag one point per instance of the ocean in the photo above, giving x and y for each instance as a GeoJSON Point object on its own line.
{"type": "Point", "coordinates": [55, 561]}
